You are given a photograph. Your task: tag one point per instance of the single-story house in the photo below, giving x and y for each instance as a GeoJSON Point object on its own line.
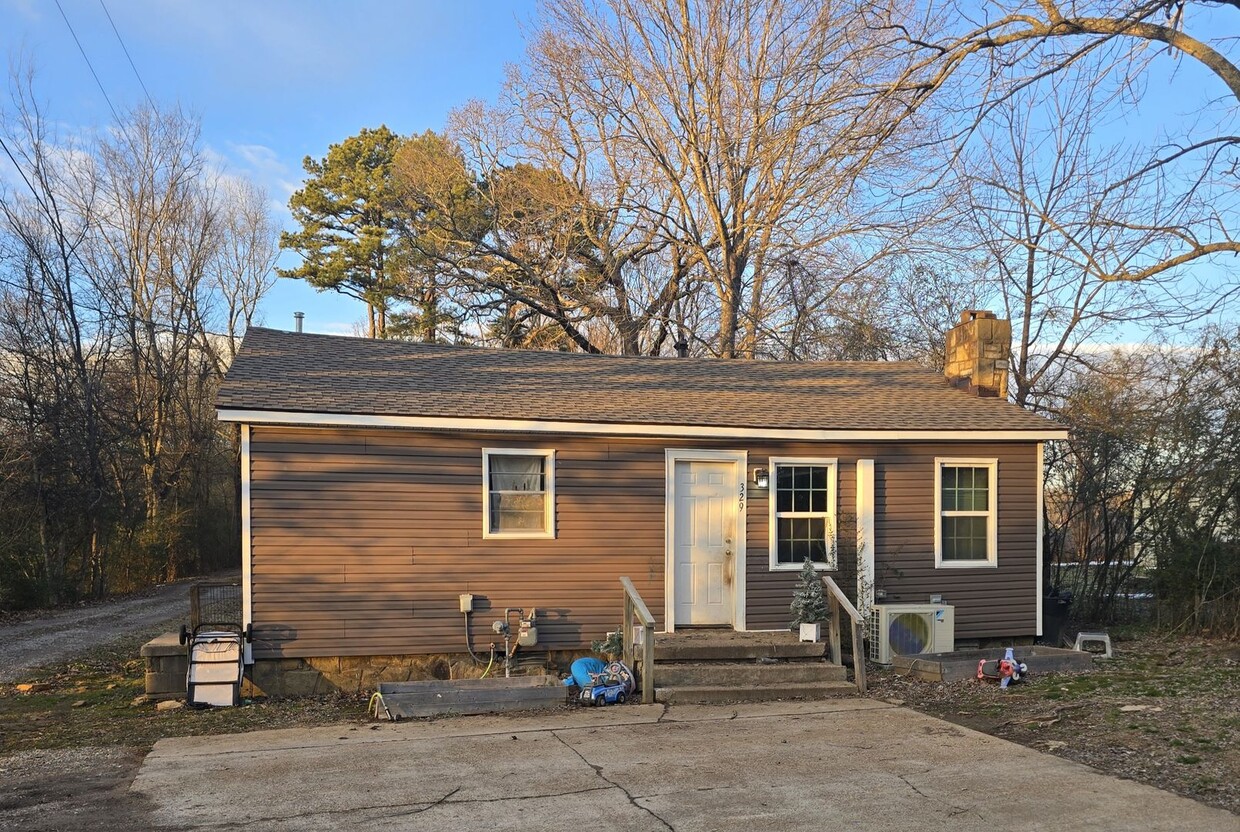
{"type": "Point", "coordinates": [381, 480]}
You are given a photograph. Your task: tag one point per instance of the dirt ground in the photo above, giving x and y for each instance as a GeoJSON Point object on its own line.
{"type": "Point", "coordinates": [1164, 712]}
{"type": "Point", "coordinates": [70, 747]}
{"type": "Point", "coordinates": [32, 639]}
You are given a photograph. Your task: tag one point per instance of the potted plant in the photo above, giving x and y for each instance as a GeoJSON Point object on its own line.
{"type": "Point", "coordinates": [612, 646]}
{"type": "Point", "coordinates": [809, 604]}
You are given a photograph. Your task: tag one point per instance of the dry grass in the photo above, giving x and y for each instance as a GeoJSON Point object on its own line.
{"type": "Point", "coordinates": [90, 701]}
{"type": "Point", "coordinates": [1165, 712]}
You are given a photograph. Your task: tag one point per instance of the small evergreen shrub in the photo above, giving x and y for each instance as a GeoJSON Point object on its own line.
{"type": "Point", "coordinates": [809, 600]}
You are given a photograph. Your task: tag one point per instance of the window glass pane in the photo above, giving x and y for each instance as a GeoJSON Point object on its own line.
{"type": "Point", "coordinates": [950, 493]}
{"type": "Point", "coordinates": [818, 477]}
{"type": "Point", "coordinates": [799, 538]}
{"type": "Point", "coordinates": [517, 473]}
{"type": "Point", "coordinates": [801, 488]}
{"type": "Point", "coordinates": [981, 489]}
{"type": "Point", "coordinates": [518, 500]}
{"type": "Point", "coordinates": [517, 512]}
{"type": "Point", "coordinates": [783, 541]}
{"type": "Point", "coordinates": [964, 538]}
{"type": "Point", "coordinates": [966, 489]}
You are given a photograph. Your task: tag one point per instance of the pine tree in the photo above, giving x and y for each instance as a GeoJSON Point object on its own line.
{"type": "Point", "coordinates": [809, 601]}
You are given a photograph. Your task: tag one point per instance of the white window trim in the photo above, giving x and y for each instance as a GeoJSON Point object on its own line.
{"type": "Point", "coordinates": [247, 544]}
{"type": "Point", "coordinates": [992, 514]}
{"type": "Point", "coordinates": [548, 532]}
{"type": "Point", "coordinates": [832, 467]}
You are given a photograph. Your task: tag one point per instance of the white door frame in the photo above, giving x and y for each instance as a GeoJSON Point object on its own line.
{"type": "Point", "coordinates": [740, 460]}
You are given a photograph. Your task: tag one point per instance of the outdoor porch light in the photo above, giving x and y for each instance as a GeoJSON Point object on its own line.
{"type": "Point", "coordinates": [761, 478]}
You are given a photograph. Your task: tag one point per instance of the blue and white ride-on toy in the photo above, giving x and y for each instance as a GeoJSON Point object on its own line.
{"type": "Point", "coordinates": [601, 684]}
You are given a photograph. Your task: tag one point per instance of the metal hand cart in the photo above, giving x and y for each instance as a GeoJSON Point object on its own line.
{"type": "Point", "coordinates": [214, 640]}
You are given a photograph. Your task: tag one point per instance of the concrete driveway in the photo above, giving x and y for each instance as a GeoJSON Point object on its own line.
{"type": "Point", "coordinates": [846, 764]}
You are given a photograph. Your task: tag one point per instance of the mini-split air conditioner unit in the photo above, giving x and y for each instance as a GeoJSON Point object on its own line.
{"type": "Point", "coordinates": [911, 629]}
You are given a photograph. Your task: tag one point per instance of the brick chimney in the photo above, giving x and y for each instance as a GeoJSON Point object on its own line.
{"type": "Point", "coordinates": [977, 353]}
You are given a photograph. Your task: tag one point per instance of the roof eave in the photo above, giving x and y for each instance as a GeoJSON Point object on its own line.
{"type": "Point", "coordinates": [372, 420]}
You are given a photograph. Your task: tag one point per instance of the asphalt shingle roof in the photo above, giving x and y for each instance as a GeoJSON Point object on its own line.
{"type": "Point", "coordinates": [285, 371]}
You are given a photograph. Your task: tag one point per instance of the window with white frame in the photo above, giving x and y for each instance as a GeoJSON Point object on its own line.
{"type": "Point", "coordinates": [518, 492]}
{"type": "Point", "coordinates": [802, 513]}
{"type": "Point", "coordinates": [966, 497]}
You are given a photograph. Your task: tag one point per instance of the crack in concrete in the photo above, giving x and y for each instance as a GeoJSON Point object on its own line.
{"type": "Point", "coordinates": [956, 811]}
{"type": "Point", "coordinates": [598, 770]}
{"type": "Point", "coordinates": [418, 807]}
{"type": "Point", "coordinates": [422, 806]}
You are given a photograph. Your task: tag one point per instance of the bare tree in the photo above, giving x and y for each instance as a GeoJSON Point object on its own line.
{"type": "Point", "coordinates": [241, 269]}
{"type": "Point", "coordinates": [115, 253]}
{"type": "Point", "coordinates": [58, 348]}
{"type": "Point", "coordinates": [755, 117]}
{"type": "Point", "coordinates": [970, 63]}
{"type": "Point", "coordinates": [1056, 217]}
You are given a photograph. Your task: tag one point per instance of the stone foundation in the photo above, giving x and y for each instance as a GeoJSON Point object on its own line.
{"type": "Point", "coordinates": [167, 663]}
{"type": "Point", "coordinates": [325, 676]}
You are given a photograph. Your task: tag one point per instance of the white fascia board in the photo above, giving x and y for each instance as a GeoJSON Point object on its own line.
{"type": "Point", "coordinates": [358, 420]}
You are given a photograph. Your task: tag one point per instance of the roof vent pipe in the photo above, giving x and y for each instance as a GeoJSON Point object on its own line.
{"type": "Point", "coordinates": [298, 317]}
{"type": "Point", "coordinates": [682, 349]}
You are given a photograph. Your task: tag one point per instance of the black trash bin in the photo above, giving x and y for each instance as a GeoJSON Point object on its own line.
{"type": "Point", "coordinates": [1055, 608]}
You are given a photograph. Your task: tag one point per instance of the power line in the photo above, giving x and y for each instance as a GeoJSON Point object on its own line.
{"type": "Point", "coordinates": [125, 49]}
{"type": "Point", "coordinates": [89, 65]}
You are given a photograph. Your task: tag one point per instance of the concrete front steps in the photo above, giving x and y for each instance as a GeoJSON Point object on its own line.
{"type": "Point", "coordinates": [714, 666]}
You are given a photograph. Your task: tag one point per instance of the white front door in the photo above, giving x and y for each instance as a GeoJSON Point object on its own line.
{"type": "Point", "coordinates": [703, 542]}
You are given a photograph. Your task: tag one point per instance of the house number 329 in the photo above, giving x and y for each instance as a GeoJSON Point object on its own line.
{"type": "Point", "coordinates": [742, 496]}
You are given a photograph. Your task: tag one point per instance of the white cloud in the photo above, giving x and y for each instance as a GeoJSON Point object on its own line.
{"type": "Point", "coordinates": [26, 8]}
{"type": "Point", "coordinates": [267, 167]}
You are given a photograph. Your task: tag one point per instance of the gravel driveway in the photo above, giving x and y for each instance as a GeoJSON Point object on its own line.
{"type": "Point", "coordinates": [61, 635]}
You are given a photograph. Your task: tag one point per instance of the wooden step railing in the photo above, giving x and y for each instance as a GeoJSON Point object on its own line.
{"type": "Point", "coordinates": [635, 607]}
{"type": "Point", "coordinates": [838, 601]}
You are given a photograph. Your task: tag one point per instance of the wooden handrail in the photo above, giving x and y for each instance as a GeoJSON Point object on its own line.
{"type": "Point", "coordinates": [634, 605]}
{"type": "Point", "coordinates": [838, 602]}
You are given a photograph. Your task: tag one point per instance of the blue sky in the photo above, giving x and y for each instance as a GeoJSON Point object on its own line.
{"type": "Point", "coordinates": [273, 81]}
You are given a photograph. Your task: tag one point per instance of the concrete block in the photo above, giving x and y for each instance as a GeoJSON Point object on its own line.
{"type": "Point", "coordinates": [733, 674]}
{"type": "Point", "coordinates": [168, 644]}
{"type": "Point", "coordinates": [163, 685]}
{"type": "Point", "coordinates": [300, 683]}
{"type": "Point", "coordinates": [702, 695]}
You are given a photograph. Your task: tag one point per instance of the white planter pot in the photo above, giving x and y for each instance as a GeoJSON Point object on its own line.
{"type": "Point", "coordinates": [811, 632]}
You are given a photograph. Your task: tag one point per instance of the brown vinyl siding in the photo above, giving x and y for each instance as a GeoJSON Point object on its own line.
{"type": "Point", "coordinates": [363, 539]}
